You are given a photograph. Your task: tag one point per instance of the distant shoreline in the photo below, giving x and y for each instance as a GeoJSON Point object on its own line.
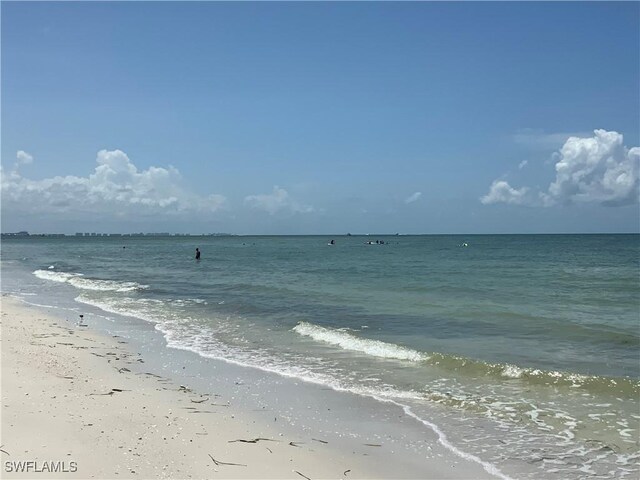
{"type": "Point", "coordinates": [339, 235]}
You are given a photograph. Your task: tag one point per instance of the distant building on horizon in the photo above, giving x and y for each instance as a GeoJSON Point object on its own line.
{"type": "Point", "coordinates": [23, 233]}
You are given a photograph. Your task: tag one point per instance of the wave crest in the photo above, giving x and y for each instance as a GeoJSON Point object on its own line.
{"type": "Point", "coordinates": [348, 341]}
{"type": "Point", "coordinates": [78, 280]}
{"type": "Point", "coordinates": [467, 366]}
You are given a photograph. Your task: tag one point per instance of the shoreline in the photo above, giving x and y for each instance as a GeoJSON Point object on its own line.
{"type": "Point", "coordinates": [70, 394]}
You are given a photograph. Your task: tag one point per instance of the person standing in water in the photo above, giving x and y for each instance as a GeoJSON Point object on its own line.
{"type": "Point", "coordinates": [197, 254]}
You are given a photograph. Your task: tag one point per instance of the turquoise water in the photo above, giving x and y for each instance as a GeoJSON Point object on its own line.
{"type": "Point", "coordinates": [535, 337]}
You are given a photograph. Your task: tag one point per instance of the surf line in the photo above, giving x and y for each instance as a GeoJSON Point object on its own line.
{"type": "Point", "coordinates": [442, 438]}
{"type": "Point", "coordinates": [19, 298]}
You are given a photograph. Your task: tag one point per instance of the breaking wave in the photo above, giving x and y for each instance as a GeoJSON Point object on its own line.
{"type": "Point", "coordinates": [78, 280]}
{"type": "Point", "coordinates": [348, 341]}
{"type": "Point", "coordinates": [462, 365]}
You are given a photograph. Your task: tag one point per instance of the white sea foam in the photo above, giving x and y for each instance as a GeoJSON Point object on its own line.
{"type": "Point", "coordinates": [207, 346]}
{"type": "Point", "coordinates": [444, 441]}
{"type": "Point", "coordinates": [511, 371]}
{"type": "Point", "coordinates": [348, 341]}
{"type": "Point", "coordinates": [115, 306]}
{"type": "Point", "coordinates": [61, 277]}
{"type": "Point", "coordinates": [78, 280]}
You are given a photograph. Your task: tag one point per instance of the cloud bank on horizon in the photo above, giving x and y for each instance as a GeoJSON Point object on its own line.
{"type": "Point", "coordinates": [116, 186]}
{"type": "Point", "coordinates": [598, 169]}
{"type": "Point", "coordinates": [277, 201]}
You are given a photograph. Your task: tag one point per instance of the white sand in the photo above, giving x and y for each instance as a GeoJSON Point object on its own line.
{"type": "Point", "coordinates": [59, 406]}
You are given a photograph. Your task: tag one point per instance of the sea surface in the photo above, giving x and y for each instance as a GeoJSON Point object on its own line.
{"type": "Point", "coordinates": [517, 349]}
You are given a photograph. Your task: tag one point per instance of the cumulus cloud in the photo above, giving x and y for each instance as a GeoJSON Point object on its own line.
{"type": "Point", "coordinates": [522, 164]}
{"type": "Point", "coordinates": [116, 186]}
{"type": "Point", "coordinates": [278, 200]}
{"type": "Point", "coordinates": [414, 197]}
{"type": "Point", "coordinates": [23, 158]}
{"type": "Point", "coordinates": [501, 192]}
{"type": "Point", "coordinates": [598, 169]}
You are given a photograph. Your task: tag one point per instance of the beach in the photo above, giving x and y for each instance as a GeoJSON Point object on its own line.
{"type": "Point", "coordinates": [86, 405]}
{"type": "Point", "coordinates": [456, 358]}
{"type": "Point", "coordinates": [320, 240]}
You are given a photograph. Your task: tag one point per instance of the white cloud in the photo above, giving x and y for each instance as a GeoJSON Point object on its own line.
{"type": "Point", "coordinates": [23, 158]}
{"type": "Point", "coordinates": [115, 187]}
{"type": "Point", "coordinates": [501, 192]}
{"type": "Point", "coordinates": [278, 200]}
{"type": "Point", "coordinates": [522, 164]}
{"type": "Point", "coordinates": [599, 169]}
{"type": "Point", "coordinates": [414, 197]}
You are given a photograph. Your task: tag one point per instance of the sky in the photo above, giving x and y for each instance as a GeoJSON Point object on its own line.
{"type": "Point", "coordinates": [320, 118]}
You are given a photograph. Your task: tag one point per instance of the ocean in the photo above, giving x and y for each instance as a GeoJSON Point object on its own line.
{"type": "Point", "coordinates": [521, 351]}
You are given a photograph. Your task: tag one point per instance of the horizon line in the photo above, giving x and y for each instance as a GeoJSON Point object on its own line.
{"type": "Point", "coordinates": [24, 233]}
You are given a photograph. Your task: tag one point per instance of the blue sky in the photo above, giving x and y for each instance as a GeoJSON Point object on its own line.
{"type": "Point", "coordinates": [310, 118]}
